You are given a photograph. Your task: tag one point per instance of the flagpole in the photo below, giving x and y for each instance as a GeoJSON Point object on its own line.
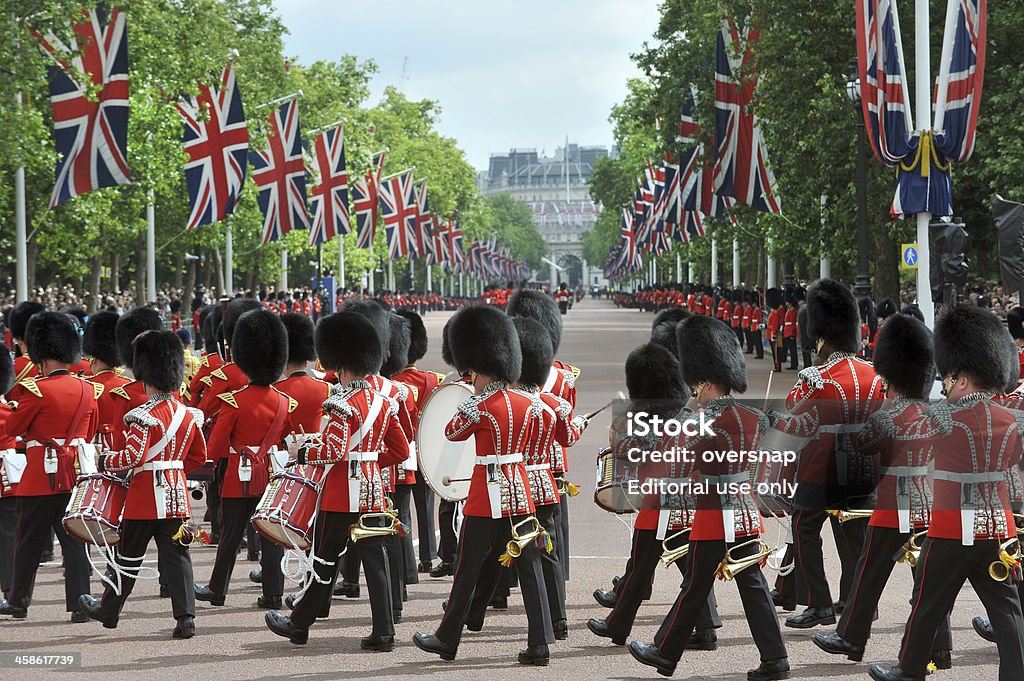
{"type": "Point", "coordinates": [430, 286]}
{"type": "Point", "coordinates": [772, 278]}
{"type": "Point", "coordinates": [714, 260]}
{"type": "Point", "coordinates": [151, 248]}
{"type": "Point", "coordinates": [283, 280]}
{"type": "Point", "coordinates": [373, 266]}
{"type": "Point", "coordinates": [825, 266]}
{"type": "Point", "coordinates": [735, 263]}
{"type": "Point", "coordinates": [391, 277]}
{"type": "Point", "coordinates": [229, 259]}
{"type": "Point", "coordinates": [923, 103]}
{"type": "Point", "coordinates": [20, 242]}
{"type": "Point", "coordinates": [280, 100]}
{"type": "Point", "coordinates": [341, 263]}
{"type": "Point", "coordinates": [394, 175]}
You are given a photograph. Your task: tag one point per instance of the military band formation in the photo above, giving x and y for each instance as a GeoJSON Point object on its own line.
{"type": "Point", "coordinates": [312, 443]}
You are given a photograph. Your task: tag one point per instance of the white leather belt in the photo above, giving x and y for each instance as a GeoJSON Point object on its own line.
{"type": "Point", "coordinates": [539, 467]}
{"type": "Point", "coordinates": [905, 471]}
{"type": "Point", "coordinates": [969, 478]}
{"type": "Point", "coordinates": [501, 459]}
{"type": "Point", "coordinates": [163, 466]}
{"type": "Point", "coordinates": [362, 457]}
{"type": "Point", "coordinates": [74, 441]}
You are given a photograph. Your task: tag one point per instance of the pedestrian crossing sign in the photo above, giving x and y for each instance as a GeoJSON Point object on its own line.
{"type": "Point", "coordinates": [910, 256]}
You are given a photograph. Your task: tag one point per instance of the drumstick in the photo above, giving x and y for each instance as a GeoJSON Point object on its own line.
{"type": "Point", "coordinates": [448, 480]}
{"type": "Point", "coordinates": [769, 388]}
{"type": "Point", "coordinates": [618, 396]}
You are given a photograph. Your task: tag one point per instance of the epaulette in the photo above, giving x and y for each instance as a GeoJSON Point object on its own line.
{"type": "Point", "coordinates": [25, 371]}
{"type": "Point", "coordinates": [29, 384]}
{"type": "Point", "coordinates": [218, 373]}
{"type": "Point", "coordinates": [575, 370]}
{"type": "Point", "coordinates": [293, 403]}
{"type": "Point", "coordinates": [121, 392]}
{"type": "Point", "coordinates": [97, 389]}
{"type": "Point", "coordinates": [207, 381]}
{"type": "Point", "coordinates": [229, 398]}
{"type": "Point", "coordinates": [142, 416]}
{"type": "Point", "coordinates": [415, 392]}
{"type": "Point", "coordinates": [204, 360]}
{"type": "Point", "coordinates": [812, 377]}
{"type": "Point", "coordinates": [198, 415]}
{"type": "Point", "coordinates": [119, 371]}
{"type": "Point", "coordinates": [440, 376]}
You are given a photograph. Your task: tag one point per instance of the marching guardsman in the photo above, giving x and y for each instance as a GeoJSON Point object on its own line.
{"type": "Point", "coordinates": [736, 319]}
{"type": "Point", "coordinates": [100, 344]}
{"type": "Point", "coordinates": [362, 434]}
{"type": "Point", "coordinates": [20, 314]}
{"type": "Point", "coordinates": [424, 382]}
{"type": "Point", "coordinates": [229, 376]}
{"type": "Point", "coordinates": [748, 312]}
{"type": "Point", "coordinates": [773, 299]}
{"type": "Point", "coordinates": [132, 394]}
{"type": "Point", "coordinates": [248, 427]}
{"type": "Point", "coordinates": [556, 424]}
{"type": "Point", "coordinates": [55, 413]}
{"type": "Point", "coordinates": [712, 366]}
{"type": "Point", "coordinates": [904, 359]}
{"type": "Point", "coordinates": [501, 420]}
{"type": "Point", "coordinates": [755, 324]}
{"type": "Point", "coordinates": [789, 331]}
{"type": "Point", "coordinates": [446, 510]}
{"type": "Point", "coordinates": [655, 386]}
{"type": "Point", "coordinates": [164, 443]}
{"type": "Point", "coordinates": [971, 534]}
{"type": "Point", "coordinates": [842, 391]}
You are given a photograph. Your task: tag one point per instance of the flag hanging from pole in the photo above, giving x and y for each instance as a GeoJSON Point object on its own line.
{"type": "Point", "coordinates": [424, 222]}
{"type": "Point", "coordinates": [329, 202]}
{"type": "Point", "coordinates": [365, 201]}
{"type": "Point", "coordinates": [279, 172]}
{"type": "Point", "coordinates": [398, 207]}
{"type": "Point", "coordinates": [89, 99]}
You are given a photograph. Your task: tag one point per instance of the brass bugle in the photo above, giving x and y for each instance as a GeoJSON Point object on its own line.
{"type": "Point", "coordinates": [669, 555]}
{"type": "Point", "coordinates": [999, 570]}
{"type": "Point", "coordinates": [911, 551]}
{"type": "Point", "coordinates": [729, 567]}
{"type": "Point", "coordinates": [845, 515]}
{"type": "Point", "coordinates": [520, 539]}
{"type": "Point", "coordinates": [362, 531]}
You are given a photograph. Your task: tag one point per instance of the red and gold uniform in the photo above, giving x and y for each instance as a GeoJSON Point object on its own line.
{"type": "Point", "coordinates": [224, 379]}
{"type": "Point", "coordinates": [208, 363]}
{"type": "Point", "coordinates": [110, 419]}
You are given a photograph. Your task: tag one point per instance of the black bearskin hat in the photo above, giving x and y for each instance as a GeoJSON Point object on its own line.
{"type": "Point", "coordinates": [207, 339]}
{"type": "Point", "coordinates": [159, 360]}
{"type": "Point", "coordinates": [259, 346]}
{"type": "Point", "coordinates": [709, 351]}
{"type": "Point", "coordinates": [652, 373]}
{"type": "Point", "coordinates": [885, 309]}
{"type": "Point", "coordinates": [1015, 323]}
{"type": "Point", "coordinates": [446, 346]}
{"type": "Point", "coordinates": [535, 345]}
{"type": "Point", "coordinates": [234, 311]}
{"type": "Point", "coordinates": [131, 324]}
{"type": "Point", "coordinates": [663, 331]}
{"type": "Point", "coordinates": [300, 337]}
{"type": "Point", "coordinates": [398, 351]}
{"type": "Point", "coordinates": [418, 344]}
{"type": "Point", "coordinates": [19, 318]}
{"type": "Point", "coordinates": [972, 341]}
{"type": "Point", "coordinates": [54, 336]}
{"type": "Point", "coordinates": [6, 372]}
{"type": "Point", "coordinates": [832, 316]}
{"type": "Point", "coordinates": [773, 298]}
{"type": "Point", "coordinates": [78, 313]}
{"type": "Point", "coordinates": [866, 308]}
{"type": "Point", "coordinates": [914, 311]}
{"type": "Point", "coordinates": [378, 315]}
{"type": "Point", "coordinates": [349, 341]}
{"type": "Point", "coordinates": [535, 304]}
{"type": "Point", "coordinates": [903, 356]}
{"type": "Point", "coordinates": [483, 339]}
{"type": "Point", "coordinates": [100, 340]}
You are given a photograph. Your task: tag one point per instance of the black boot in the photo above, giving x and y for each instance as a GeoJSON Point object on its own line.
{"type": "Point", "coordinates": [812, 617]}
{"type": "Point", "coordinates": [12, 611]}
{"type": "Point", "coordinates": [600, 628]}
{"type": "Point", "coordinates": [382, 644]}
{"type": "Point", "coordinates": [880, 673]}
{"type": "Point", "coordinates": [837, 645]}
{"type": "Point", "coordinates": [433, 644]}
{"type": "Point", "coordinates": [204, 594]}
{"type": "Point", "coordinates": [346, 589]}
{"type": "Point", "coordinates": [561, 630]}
{"type": "Point", "coordinates": [942, 659]}
{"type": "Point", "coordinates": [269, 602]}
{"type": "Point", "coordinates": [256, 576]}
{"type": "Point", "coordinates": [770, 670]}
{"type": "Point", "coordinates": [705, 639]}
{"type": "Point", "coordinates": [185, 628]}
{"type": "Point", "coordinates": [442, 569]}
{"type": "Point", "coordinates": [282, 626]}
{"type": "Point", "coordinates": [425, 567]}
{"type": "Point", "coordinates": [535, 655]}
{"type": "Point", "coordinates": [984, 629]}
{"type": "Point", "coordinates": [652, 657]}
{"type": "Point", "coordinates": [780, 601]}
{"type": "Point", "coordinates": [94, 610]}
{"type": "Point", "coordinates": [606, 598]}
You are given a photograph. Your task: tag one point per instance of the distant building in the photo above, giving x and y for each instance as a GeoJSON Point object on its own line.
{"type": "Point", "coordinates": [557, 189]}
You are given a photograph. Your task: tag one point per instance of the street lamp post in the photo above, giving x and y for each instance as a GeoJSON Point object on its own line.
{"type": "Point", "coordinates": [862, 286]}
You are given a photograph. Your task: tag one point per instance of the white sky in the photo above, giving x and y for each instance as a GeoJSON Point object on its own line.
{"type": "Point", "coordinates": [524, 73]}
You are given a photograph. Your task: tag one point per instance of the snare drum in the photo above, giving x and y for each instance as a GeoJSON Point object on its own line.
{"type": "Point", "coordinates": [289, 505]}
{"type": "Point", "coordinates": [94, 512]}
{"type": "Point", "coordinates": [611, 491]}
{"type": "Point", "coordinates": [774, 481]}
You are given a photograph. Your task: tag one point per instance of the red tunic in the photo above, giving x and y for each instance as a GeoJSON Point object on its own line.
{"type": "Point", "coordinates": [789, 325]}
{"type": "Point", "coordinates": [222, 380]}
{"type": "Point", "coordinates": [210, 362]}
{"type": "Point", "coordinates": [7, 443]}
{"type": "Point", "coordinates": [109, 418]}
{"type": "Point", "coordinates": [755, 319]}
{"type": "Point", "coordinates": [310, 395]}
{"type": "Point", "coordinates": [407, 411]}
{"type": "Point", "coordinates": [556, 426]}
{"type": "Point", "coordinates": [161, 420]}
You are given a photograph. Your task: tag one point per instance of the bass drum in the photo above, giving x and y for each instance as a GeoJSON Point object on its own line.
{"type": "Point", "coordinates": [440, 459]}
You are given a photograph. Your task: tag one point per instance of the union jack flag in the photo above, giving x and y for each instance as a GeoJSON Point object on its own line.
{"type": "Point", "coordinates": [280, 173]}
{"type": "Point", "coordinates": [365, 195]}
{"type": "Point", "coordinates": [90, 118]}
{"type": "Point", "coordinates": [424, 222]}
{"type": "Point", "coordinates": [437, 254]}
{"type": "Point", "coordinates": [673, 213]}
{"type": "Point", "coordinates": [216, 140]}
{"type": "Point", "coordinates": [455, 252]}
{"type": "Point", "coordinates": [329, 202]}
{"type": "Point", "coordinates": [742, 169]}
{"type": "Point", "coordinates": [398, 206]}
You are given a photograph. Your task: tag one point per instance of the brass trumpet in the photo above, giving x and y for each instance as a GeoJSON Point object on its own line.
{"type": "Point", "coordinates": [362, 531]}
{"type": "Point", "coordinates": [999, 570]}
{"type": "Point", "coordinates": [730, 567]}
{"type": "Point", "coordinates": [669, 556]}
{"type": "Point", "coordinates": [911, 551]}
{"type": "Point", "coordinates": [521, 539]}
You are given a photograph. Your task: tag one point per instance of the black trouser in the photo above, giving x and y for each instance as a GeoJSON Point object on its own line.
{"type": "Point", "coordinates": [849, 538]}
{"type": "Point", "coordinates": [482, 540]}
{"type": "Point", "coordinates": [494, 579]}
{"type": "Point", "coordinates": [701, 564]}
{"type": "Point", "coordinates": [755, 338]}
{"type": "Point", "coordinates": [423, 497]}
{"type": "Point", "coordinates": [873, 570]}
{"type": "Point", "coordinates": [236, 514]}
{"type": "Point", "coordinates": [36, 516]}
{"type": "Point", "coordinates": [393, 551]}
{"type": "Point", "coordinates": [789, 351]}
{"type": "Point", "coordinates": [811, 583]}
{"type": "Point", "coordinates": [175, 564]}
{"type": "Point", "coordinates": [403, 503]}
{"type": "Point", "coordinates": [786, 584]}
{"type": "Point", "coordinates": [944, 566]}
{"type": "Point", "coordinates": [561, 520]}
{"type": "Point", "coordinates": [643, 562]}
{"type": "Point", "coordinates": [448, 544]}
{"type": "Point", "coordinates": [748, 341]}
{"type": "Point", "coordinates": [350, 563]}
{"type": "Point", "coordinates": [213, 510]}
{"type": "Point", "coordinates": [330, 534]}
{"type": "Point", "coordinates": [8, 539]}
{"type": "Point", "coordinates": [808, 358]}
{"type": "Point", "coordinates": [741, 335]}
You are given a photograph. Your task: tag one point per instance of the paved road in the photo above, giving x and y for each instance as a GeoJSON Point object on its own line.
{"type": "Point", "coordinates": [233, 643]}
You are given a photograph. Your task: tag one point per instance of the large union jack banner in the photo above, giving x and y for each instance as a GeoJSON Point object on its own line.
{"type": "Point", "coordinates": [280, 173]}
{"type": "Point", "coordinates": [424, 222]}
{"type": "Point", "coordinates": [365, 202]}
{"type": "Point", "coordinates": [329, 202]}
{"type": "Point", "coordinates": [923, 158]}
{"type": "Point", "coordinates": [398, 206]}
{"type": "Point", "coordinates": [216, 140]}
{"type": "Point", "coordinates": [742, 169]}
{"type": "Point", "coordinates": [89, 97]}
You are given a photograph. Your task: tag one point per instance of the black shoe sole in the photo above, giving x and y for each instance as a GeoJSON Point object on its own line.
{"type": "Point", "coordinates": [534, 661]}
{"type": "Point", "coordinates": [620, 641]}
{"type": "Point", "coordinates": [812, 623]}
{"type": "Point", "coordinates": [703, 645]}
{"type": "Point", "coordinates": [177, 633]}
{"type": "Point", "coordinates": [853, 657]}
{"type": "Point", "coordinates": [447, 657]}
{"type": "Point", "coordinates": [378, 647]}
{"type": "Point", "coordinates": [780, 676]}
{"type": "Point", "coordinates": [664, 671]}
